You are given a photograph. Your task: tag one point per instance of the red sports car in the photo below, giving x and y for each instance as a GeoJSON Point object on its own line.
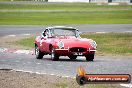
{"type": "Point", "coordinates": [64, 41]}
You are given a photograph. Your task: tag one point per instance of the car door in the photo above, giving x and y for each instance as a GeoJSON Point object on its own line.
{"type": "Point", "coordinates": [44, 42]}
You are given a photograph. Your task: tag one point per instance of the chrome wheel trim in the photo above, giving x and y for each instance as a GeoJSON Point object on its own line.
{"type": "Point", "coordinates": [52, 54]}
{"type": "Point", "coordinates": [37, 51]}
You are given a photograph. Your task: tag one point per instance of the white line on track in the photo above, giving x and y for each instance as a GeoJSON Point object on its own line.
{"type": "Point", "coordinates": [49, 64]}
{"type": "Point", "coordinates": [101, 32]}
{"type": "Point", "coordinates": [17, 61]}
{"type": "Point", "coordinates": [37, 72]}
{"type": "Point", "coordinates": [26, 34]}
{"type": "Point", "coordinates": [38, 63]}
{"type": "Point", "coordinates": [60, 65]}
{"type": "Point", "coordinates": [12, 35]}
{"type": "Point", "coordinates": [65, 76]}
{"type": "Point", "coordinates": [128, 31]}
{"type": "Point", "coordinates": [52, 74]}
{"type": "Point", "coordinates": [126, 85]}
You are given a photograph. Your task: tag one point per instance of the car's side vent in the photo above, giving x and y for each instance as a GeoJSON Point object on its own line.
{"type": "Point", "coordinates": [78, 49]}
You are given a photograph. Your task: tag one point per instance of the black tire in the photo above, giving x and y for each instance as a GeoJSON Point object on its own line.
{"type": "Point", "coordinates": [81, 80]}
{"type": "Point", "coordinates": [38, 53]}
{"type": "Point", "coordinates": [72, 57]}
{"type": "Point", "coordinates": [54, 55]}
{"type": "Point", "coordinates": [90, 57]}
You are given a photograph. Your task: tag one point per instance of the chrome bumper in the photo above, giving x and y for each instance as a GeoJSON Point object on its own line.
{"type": "Point", "coordinates": [87, 50]}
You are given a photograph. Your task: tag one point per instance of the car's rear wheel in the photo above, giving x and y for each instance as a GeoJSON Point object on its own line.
{"type": "Point", "coordinates": [54, 55]}
{"type": "Point", "coordinates": [72, 57]}
{"type": "Point", "coordinates": [38, 53]}
{"type": "Point", "coordinates": [90, 57]}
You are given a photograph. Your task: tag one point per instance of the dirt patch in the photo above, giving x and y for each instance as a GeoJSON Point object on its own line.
{"type": "Point", "coordinates": [13, 79]}
{"type": "Point", "coordinates": [10, 41]}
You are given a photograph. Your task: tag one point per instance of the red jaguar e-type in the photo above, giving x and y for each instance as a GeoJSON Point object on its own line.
{"type": "Point", "coordinates": [64, 41]}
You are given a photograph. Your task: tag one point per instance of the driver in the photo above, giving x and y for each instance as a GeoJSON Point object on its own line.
{"type": "Point", "coordinates": [46, 34]}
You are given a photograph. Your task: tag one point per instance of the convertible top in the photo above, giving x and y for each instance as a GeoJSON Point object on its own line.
{"type": "Point", "coordinates": [63, 27]}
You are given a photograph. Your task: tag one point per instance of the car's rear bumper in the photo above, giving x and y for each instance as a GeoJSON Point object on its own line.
{"type": "Point", "coordinates": [66, 52]}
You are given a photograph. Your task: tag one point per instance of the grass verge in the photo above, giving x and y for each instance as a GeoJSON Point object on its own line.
{"type": "Point", "coordinates": [74, 13]}
{"type": "Point", "coordinates": [113, 43]}
{"type": "Point", "coordinates": [94, 17]}
{"type": "Point", "coordinates": [62, 6]}
{"type": "Point", "coordinates": [108, 43]}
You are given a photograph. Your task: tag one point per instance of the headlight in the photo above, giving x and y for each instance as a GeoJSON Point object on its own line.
{"type": "Point", "coordinates": [60, 44]}
{"type": "Point", "coordinates": [93, 44]}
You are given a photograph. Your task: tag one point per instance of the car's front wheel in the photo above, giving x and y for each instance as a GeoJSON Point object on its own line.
{"type": "Point", "coordinates": [89, 57]}
{"type": "Point", "coordinates": [72, 57]}
{"type": "Point", "coordinates": [38, 53]}
{"type": "Point", "coordinates": [54, 55]}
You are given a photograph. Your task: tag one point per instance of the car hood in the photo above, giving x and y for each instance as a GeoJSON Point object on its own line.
{"type": "Point", "coordinates": [75, 42]}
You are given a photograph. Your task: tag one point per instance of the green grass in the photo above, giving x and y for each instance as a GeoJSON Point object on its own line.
{"type": "Point", "coordinates": [85, 14]}
{"type": "Point", "coordinates": [109, 17]}
{"type": "Point", "coordinates": [108, 43]}
{"type": "Point", "coordinates": [115, 43]}
{"type": "Point", "coordinates": [64, 85]}
{"type": "Point", "coordinates": [27, 42]}
{"type": "Point", "coordinates": [64, 6]}
{"type": "Point", "coordinates": [5, 0]}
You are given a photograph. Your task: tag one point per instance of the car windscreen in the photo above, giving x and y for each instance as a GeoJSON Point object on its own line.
{"type": "Point", "coordinates": [63, 32]}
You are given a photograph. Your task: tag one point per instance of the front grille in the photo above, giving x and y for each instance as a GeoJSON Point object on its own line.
{"type": "Point", "coordinates": [78, 49]}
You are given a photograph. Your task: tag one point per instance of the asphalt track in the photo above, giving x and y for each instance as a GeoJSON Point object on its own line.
{"type": "Point", "coordinates": [33, 29]}
{"type": "Point", "coordinates": [65, 67]}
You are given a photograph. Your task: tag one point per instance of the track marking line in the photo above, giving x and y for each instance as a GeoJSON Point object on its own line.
{"type": "Point", "coordinates": [17, 61]}
{"type": "Point", "coordinates": [128, 31]}
{"type": "Point", "coordinates": [52, 74]}
{"type": "Point", "coordinates": [60, 65]}
{"type": "Point", "coordinates": [26, 71]}
{"type": "Point", "coordinates": [37, 72]}
{"type": "Point", "coordinates": [38, 63]}
{"type": "Point", "coordinates": [65, 76]}
{"type": "Point", "coordinates": [31, 52]}
{"type": "Point", "coordinates": [11, 35]}
{"type": "Point", "coordinates": [100, 32]}
{"type": "Point", "coordinates": [26, 34]}
{"type": "Point", "coordinates": [126, 85]}
{"type": "Point", "coordinates": [49, 64]}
